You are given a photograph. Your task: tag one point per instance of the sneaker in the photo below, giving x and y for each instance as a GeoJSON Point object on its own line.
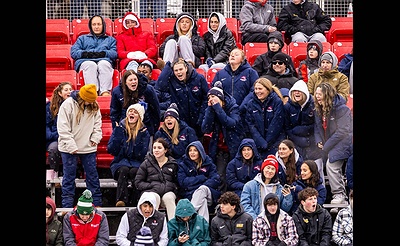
{"type": "Point", "coordinates": [120, 204]}
{"type": "Point", "coordinates": [338, 199]}
{"type": "Point", "coordinates": [160, 64]}
{"type": "Point", "coordinates": [334, 210]}
{"type": "Point", "coordinates": [106, 94]}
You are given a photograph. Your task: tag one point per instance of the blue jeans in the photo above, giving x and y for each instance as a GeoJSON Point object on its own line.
{"type": "Point", "coordinates": [70, 163]}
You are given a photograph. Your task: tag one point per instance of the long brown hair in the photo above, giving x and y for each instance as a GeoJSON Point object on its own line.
{"type": "Point", "coordinates": [91, 107]}
{"type": "Point", "coordinates": [130, 97]}
{"type": "Point", "coordinates": [329, 93]}
{"type": "Point", "coordinates": [290, 165]}
{"type": "Point", "coordinates": [56, 99]}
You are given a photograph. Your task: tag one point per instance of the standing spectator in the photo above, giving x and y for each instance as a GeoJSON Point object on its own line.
{"type": "Point", "coordinates": [257, 20]}
{"type": "Point", "coordinates": [199, 179]}
{"type": "Point", "coordinates": [77, 7]}
{"type": "Point", "coordinates": [79, 133]}
{"type": "Point", "coordinates": [289, 162]}
{"type": "Point", "coordinates": [144, 214]}
{"type": "Point", "coordinates": [328, 72]}
{"type": "Point", "coordinates": [342, 231]}
{"type": "Point", "coordinates": [164, 98]}
{"type": "Point", "coordinates": [222, 120]}
{"type": "Point", "coordinates": [134, 45]}
{"type": "Point", "coordinates": [188, 227]}
{"type": "Point", "coordinates": [60, 93]}
{"type": "Point", "coordinates": [274, 227]}
{"type": "Point", "coordinates": [299, 123]}
{"type": "Point", "coordinates": [275, 44]}
{"type": "Point", "coordinates": [85, 224]}
{"type": "Point", "coordinates": [158, 175]}
{"type": "Point", "coordinates": [95, 53]}
{"type": "Point", "coordinates": [265, 117]}
{"type": "Point", "coordinates": [309, 178]}
{"type": "Point", "coordinates": [54, 230]}
{"type": "Point", "coordinates": [304, 21]}
{"type": "Point", "coordinates": [244, 166]}
{"type": "Point", "coordinates": [265, 182]}
{"type": "Point", "coordinates": [134, 88]}
{"type": "Point", "coordinates": [219, 42]}
{"type": "Point", "coordinates": [280, 72]}
{"type": "Point", "coordinates": [310, 65]}
{"type": "Point", "coordinates": [231, 225]}
{"type": "Point", "coordinates": [334, 136]}
{"type": "Point", "coordinates": [188, 90]}
{"type": "Point", "coordinates": [176, 132]}
{"type": "Point", "coordinates": [313, 222]}
{"type": "Point", "coordinates": [184, 43]}
{"type": "Point", "coordinates": [128, 144]}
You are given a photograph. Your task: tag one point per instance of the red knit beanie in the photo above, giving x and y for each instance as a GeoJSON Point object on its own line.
{"type": "Point", "coordinates": [270, 160]}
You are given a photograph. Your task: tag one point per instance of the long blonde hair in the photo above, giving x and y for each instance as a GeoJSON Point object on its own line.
{"type": "Point", "coordinates": [268, 84]}
{"type": "Point", "coordinates": [175, 132]}
{"type": "Point", "coordinates": [328, 92]}
{"type": "Point", "coordinates": [133, 128]}
{"type": "Point", "coordinates": [92, 108]}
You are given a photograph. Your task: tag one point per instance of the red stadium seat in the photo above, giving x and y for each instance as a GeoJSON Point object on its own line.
{"type": "Point", "coordinates": [211, 74]}
{"type": "Point", "coordinates": [58, 31]}
{"type": "Point", "coordinates": [55, 77]}
{"type": "Point", "coordinates": [147, 25]}
{"type": "Point", "coordinates": [341, 30]}
{"type": "Point", "coordinates": [116, 77]}
{"type": "Point", "coordinates": [342, 48]}
{"type": "Point", "coordinates": [202, 72]}
{"type": "Point", "coordinates": [252, 50]}
{"type": "Point", "coordinates": [58, 57]}
{"type": "Point", "coordinates": [81, 26]}
{"type": "Point", "coordinates": [298, 51]}
{"type": "Point", "coordinates": [202, 26]}
{"type": "Point", "coordinates": [104, 102]}
{"type": "Point", "coordinates": [164, 28]}
{"type": "Point", "coordinates": [103, 157]}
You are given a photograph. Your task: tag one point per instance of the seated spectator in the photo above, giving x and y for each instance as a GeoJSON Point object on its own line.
{"type": "Point", "coordinates": [313, 222]}
{"type": "Point", "coordinates": [199, 179]}
{"type": "Point", "coordinates": [60, 93]}
{"type": "Point", "coordinates": [184, 43]}
{"type": "Point", "coordinates": [222, 120]}
{"type": "Point", "coordinates": [275, 44]}
{"type": "Point", "coordinates": [267, 181]}
{"type": "Point", "coordinates": [188, 90]}
{"type": "Point", "coordinates": [309, 178]}
{"type": "Point", "coordinates": [188, 227]}
{"type": "Point", "coordinates": [342, 231]}
{"type": "Point", "coordinates": [134, 45]}
{"type": "Point", "coordinates": [164, 98]}
{"type": "Point", "coordinates": [134, 88]}
{"type": "Point", "coordinates": [95, 54]}
{"type": "Point", "coordinates": [280, 72]}
{"type": "Point", "coordinates": [257, 20]}
{"type": "Point", "coordinates": [310, 65]}
{"type": "Point", "coordinates": [328, 72]}
{"type": "Point", "coordinates": [231, 225]}
{"type": "Point", "coordinates": [289, 162]}
{"type": "Point", "coordinates": [219, 42]}
{"type": "Point", "coordinates": [54, 230]}
{"type": "Point", "coordinates": [265, 117]}
{"type": "Point", "coordinates": [345, 64]}
{"type": "Point", "coordinates": [176, 132]}
{"type": "Point", "coordinates": [85, 224]}
{"type": "Point", "coordinates": [244, 166]}
{"type": "Point", "coordinates": [144, 214]}
{"type": "Point", "coordinates": [158, 175]}
{"type": "Point", "coordinates": [128, 143]}
{"type": "Point", "coordinates": [304, 21]}
{"type": "Point", "coordinates": [274, 227]}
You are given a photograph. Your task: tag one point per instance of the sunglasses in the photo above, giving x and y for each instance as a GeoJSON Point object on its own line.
{"type": "Point", "coordinates": [277, 62]}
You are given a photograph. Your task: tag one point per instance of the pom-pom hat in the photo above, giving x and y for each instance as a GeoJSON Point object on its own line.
{"type": "Point", "coordinates": [88, 93]}
{"type": "Point", "coordinates": [144, 237]}
{"type": "Point", "coordinates": [172, 110]}
{"type": "Point", "coordinates": [85, 203]}
{"type": "Point", "coordinates": [270, 160]}
{"type": "Point", "coordinates": [139, 108]}
{"type": "Point", "coordinates": [217, 90]}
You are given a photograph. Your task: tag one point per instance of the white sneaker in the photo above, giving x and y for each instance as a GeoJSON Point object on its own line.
{"type": "Point", "coordinates": [338, 199]}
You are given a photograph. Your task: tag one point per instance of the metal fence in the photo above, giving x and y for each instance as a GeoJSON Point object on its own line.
{"type": "Point", "coordinates": [113, 9]}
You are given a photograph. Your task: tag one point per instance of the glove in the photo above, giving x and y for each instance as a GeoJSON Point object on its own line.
{"type": "Point", "coordinates": [98, 54]}
{"type": "Point", "coordinates": [137, 55]}
{"type": "Point", "coordinates": [210, 62]}
{"type": "Point", "coordinates": [85, 54]}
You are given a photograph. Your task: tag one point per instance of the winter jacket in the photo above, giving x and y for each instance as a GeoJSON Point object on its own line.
{"type": "Point", "coordinates": [51, 126]}
{"type": "Point", "coordinates": [309, 65]}
{"type": "Point", "coordinates": [54, 230]}
{"type": "Point", "coordinates": [282, 168]}
{"type": "Point", "coordinates": [345, 64]}
{"type": "Point", "coordinates": [300, 185]}
{"type": "Point", "coordinates": [285, 80]}
{"type": "Point", "coordinates": [92, 43]}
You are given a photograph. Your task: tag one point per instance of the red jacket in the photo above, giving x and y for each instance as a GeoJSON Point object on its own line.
{"type": "Point", "coordinates": [134, 39]}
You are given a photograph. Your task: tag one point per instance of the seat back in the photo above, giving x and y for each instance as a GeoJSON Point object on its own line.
{"type": "Point", "coordinates": [298, 51]}
{"type": "Point", "coordinates": [202, 26]}
{"type": "Point", "coordinates": [58, 31]}
{"type": "Point", "coordinates": [210, 75]}
{"type": "Point", "coordinates": [147, 25]}
{"type": "Point", "coordinates": [341, 30]}
{"type": "Point", "coordinates": [81, 26]}
{"type": "Point", "coordinates": [233, 25]}
{"type": "Point", "coordinates": [103, 157]}
{"type": "Point", "coordinates": [342, 48]}
{"type": "Point", "coordinates": [252, 50]}
{"type": "Point", "coordinates": [164, 28]}
{"type": "Point", "coordinates": [55, 77]}
{"type": "Point", "coordinates": [58, 57]}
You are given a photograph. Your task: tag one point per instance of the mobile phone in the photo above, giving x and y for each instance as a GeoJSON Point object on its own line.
{"type": "Point", "coordinates": [183, 233]}
{"type": "Point", "coordinates": [286, 186]}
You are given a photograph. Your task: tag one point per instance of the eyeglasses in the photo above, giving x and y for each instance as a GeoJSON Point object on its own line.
{"type": "Point", "coordinates": [277, 62]}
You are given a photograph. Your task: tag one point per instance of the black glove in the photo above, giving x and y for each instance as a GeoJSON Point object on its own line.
{"type": "Point", "coordinates": [85, 54]}
{"type": "Point", "coordinates": [101, 54]}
